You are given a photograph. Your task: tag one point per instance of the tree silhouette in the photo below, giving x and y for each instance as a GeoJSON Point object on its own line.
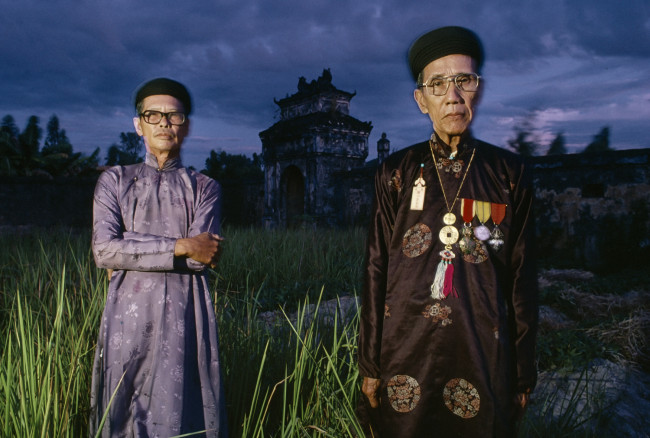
{"type": "Point", "coordinates": [20, 154]}
{"type": "Point", "coordinates": [600, 142]}
{"type": "Point", "coordinates": [524, 142]}
{"type": "Point", "coordinates": [221, 166]}
{"type": "Point", "coordinates": [29, 141]}
{"type": "Point", "coordinates": [129, 151]}
{"type": "Point", "coordinates": [9, 150]}
{"type": "Point", "coordinates": [557, 145]}
{"type": "Point", "coordinates": [56, 141]}
{"type": "Point", "coordinates": [9, 128]}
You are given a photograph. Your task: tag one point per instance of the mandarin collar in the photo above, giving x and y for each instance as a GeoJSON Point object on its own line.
{"type": "Point", "coordinates": [443, 150]}
{"type": "Point", "coordinates": [170, 164]}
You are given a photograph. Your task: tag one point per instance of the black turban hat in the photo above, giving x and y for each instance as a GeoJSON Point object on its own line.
{"type": "Point", "coordinates": [167, 87]}
{"type": "Point", "coordinates": [451, 40]}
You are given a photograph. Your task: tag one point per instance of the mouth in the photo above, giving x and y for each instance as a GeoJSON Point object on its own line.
{"type": "Point", "coordinates": [455, 116]}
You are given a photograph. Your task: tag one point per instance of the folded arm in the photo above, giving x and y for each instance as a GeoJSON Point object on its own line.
{"type": "Point", "coordinates": [115, 248]}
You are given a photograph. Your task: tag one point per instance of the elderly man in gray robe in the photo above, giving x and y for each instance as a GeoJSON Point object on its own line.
{"type": "Point", "coordinates": [156, 230]}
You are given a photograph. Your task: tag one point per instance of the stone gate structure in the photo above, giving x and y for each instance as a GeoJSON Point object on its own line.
{"type": "Point", "coordinates": [305, 152]}
{"type": "Point", "coordinates": [592, 210]}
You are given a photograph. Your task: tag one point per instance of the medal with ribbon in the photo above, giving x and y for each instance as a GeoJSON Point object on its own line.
{"type": "Point", "coordinates": [483, 214]}
{"type": "Point", "coordinates": [498, 212]}
{"type": "Point", "coordinates": [467, 210]}
{"type": "Point", "coordinates": [471, 246]}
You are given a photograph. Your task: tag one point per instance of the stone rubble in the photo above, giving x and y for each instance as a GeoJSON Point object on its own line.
{"type": "Point", "coordinates": [606, 399]}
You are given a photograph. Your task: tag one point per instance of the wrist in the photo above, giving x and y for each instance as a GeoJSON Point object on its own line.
{"type": "Point", "coordinates": [180, 248]}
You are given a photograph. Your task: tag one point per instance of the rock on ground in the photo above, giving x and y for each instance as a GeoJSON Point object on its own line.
{"type": "Point", "coordinates": [606, 399]}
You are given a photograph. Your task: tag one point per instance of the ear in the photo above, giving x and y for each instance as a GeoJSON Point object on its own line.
{"type": "Point", "coordinates": [479, 93]}
{"type": "Point", "coordinates": [418, 95]}
{"type": "Point", "coordinates": [136, 125]}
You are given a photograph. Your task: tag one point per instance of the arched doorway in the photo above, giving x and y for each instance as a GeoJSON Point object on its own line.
{"type": "Point", "coordinates": [293, 191]}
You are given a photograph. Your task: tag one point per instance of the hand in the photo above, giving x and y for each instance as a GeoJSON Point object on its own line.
{"type": "Point", "coordinates": [370, 387]}
{"type": "Point", "coordinates": [204, 248]}
{"type": "Point", "coordinates": [521, 402]}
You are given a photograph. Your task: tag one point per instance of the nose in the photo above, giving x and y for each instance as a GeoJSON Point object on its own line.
{"type": "Point", "coordinates": [453, 94]}
{"type": "Point", "coordinates": [164, 121]}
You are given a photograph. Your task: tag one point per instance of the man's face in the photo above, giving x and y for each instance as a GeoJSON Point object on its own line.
{"type": "Point", "coordinates": [452, 113]}
{"type": "Point", "coordinates": [162, 138]}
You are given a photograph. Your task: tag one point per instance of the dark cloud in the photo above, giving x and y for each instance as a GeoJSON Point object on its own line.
{"type": "Point", "coordinates": [82, 61]}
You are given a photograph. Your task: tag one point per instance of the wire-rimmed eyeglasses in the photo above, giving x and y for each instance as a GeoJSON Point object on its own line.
{"type": "Point", "coordinates": [152, 117]}
{"type": "Point", "coordinates": [439, 85]}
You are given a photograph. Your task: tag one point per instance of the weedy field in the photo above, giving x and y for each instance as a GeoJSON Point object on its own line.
{"type": "Point", "coordinates": [295, 378]}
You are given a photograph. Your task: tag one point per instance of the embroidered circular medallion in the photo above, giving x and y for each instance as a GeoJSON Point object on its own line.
{"type": "Point", "coordinates": [461, 398]}
{"type": "Point", "coordinates": [403, 393]}
{"type": "Point", "coordinates": [416, 240]}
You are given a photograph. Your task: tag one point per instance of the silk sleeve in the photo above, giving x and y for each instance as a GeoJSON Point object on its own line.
{"type": "Point", "coordinates": [207, 218]}
{"type": "Point", "coordinates": [374, 287]}
{"type": "Point", "coordinates": [524, 298]}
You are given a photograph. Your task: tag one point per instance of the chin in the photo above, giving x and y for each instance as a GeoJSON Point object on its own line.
{"type": "Point", "coordinates": [166, 147]}
{"type": "Point", "coordinates": [458, 130]}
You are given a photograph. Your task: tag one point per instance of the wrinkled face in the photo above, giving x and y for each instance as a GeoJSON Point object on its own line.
{"type": "Point", "coordinates": [162, 138]}
{"type": "Point", "coordinates": [452, 113]}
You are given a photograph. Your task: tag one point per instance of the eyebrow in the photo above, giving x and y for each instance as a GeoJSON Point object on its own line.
{"type": "Point", "coordinates": [442, 75]}
{"type": "Point", "coordinates": [161, 111]}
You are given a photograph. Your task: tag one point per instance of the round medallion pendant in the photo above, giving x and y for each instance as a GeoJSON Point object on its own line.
{"type": "Point", "coordinates": [448, 235]}
{"type": "Point", "coordinates": [449, 219]}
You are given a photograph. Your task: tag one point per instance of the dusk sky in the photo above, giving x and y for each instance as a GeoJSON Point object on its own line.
{"type": "Point", "coordinates": [571, 66]}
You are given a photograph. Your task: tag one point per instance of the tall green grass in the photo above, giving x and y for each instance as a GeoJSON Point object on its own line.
{"type": "Point", "coordinates": [295, 378]}
{"type": "Point", "coordinates": [51, 297]}
{"type": "Point", "coordinates": [298, 378]}
{"type": "Point", "coordinates": [291, 264]}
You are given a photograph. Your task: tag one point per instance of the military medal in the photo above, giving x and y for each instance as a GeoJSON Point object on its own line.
{"type": "Point", "coordinates": [498, 212]}
{"type": "Point", "coordinates": [442, 285]}
{"type": "Point", "coordinates": [483, 214]}
{"type": "Point", "coordinates": [467, 209]}
{"type": "Point", "coordinates": [419, 189]}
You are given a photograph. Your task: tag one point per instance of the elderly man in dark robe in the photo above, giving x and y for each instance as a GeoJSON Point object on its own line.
{"type": "Point", "coordinates": [156, 230]}
{"type": "Point", "coordinates": [449, 304]}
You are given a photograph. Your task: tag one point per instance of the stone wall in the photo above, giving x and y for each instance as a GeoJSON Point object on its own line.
{"type": "Point", "coordinates": [243, 202]}
{"type": "Point", "coordinates": [68, 202]}
{"type": "Point", "coordinates": [592, 210]}
{"type": "Point", "coordinates": [46, 203]}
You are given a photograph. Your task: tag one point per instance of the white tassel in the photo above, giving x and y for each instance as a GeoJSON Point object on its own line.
{"type": "Point", "coordinates": [438, 284]}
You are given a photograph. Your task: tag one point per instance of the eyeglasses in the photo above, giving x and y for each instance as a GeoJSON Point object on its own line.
{"type": "Point", "coordinates": [152, 117]}
{"type": "Point", "coordinates": [439, 85]}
